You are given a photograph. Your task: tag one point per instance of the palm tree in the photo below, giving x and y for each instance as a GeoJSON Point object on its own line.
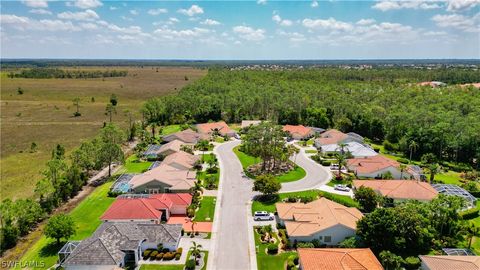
{"type": "Point", "coordinates": [413, 147]}
{"type": "Point", "coordinates": [342, 147]}
{"type": "Point", "coordinates": [472, 231]}
{"type": "Point", "coordinates": [402, 169]}
{"type": "Point", "coordinates": [193, 227]}
{"type": "Point", "coordinates": [433, 169]}
{"type": "Point", "coordinates": [195, 251]}
{"type": "Point", "coordinates": [341, 161]}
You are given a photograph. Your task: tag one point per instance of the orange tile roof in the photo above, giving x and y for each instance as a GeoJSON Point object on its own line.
{"type": "Point", "coordinates": [331, 136]}
{"type": "Point", "coordinates": [371, 164]}
{"type": "Point", "coordinates": [451, 262]}
{"type": "Point", "coordinates": [182, 158]}
{"type": "Point", "coordinates": [300, 130]}
{"type": "Point", "coordinates": [338, 259]}
{"type": "Point", "coordinates": [221, 126]}
{"type": "Point", "coordinates": [307, 219]}
{"type": "Point", "coordinates": [174, 146]}
{"type": "Point", "coordinates": [186, 136]}
{"type": "Point", "coordinates": [400, 189]}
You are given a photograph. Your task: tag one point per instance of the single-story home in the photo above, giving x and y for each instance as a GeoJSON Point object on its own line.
{"type": "Point", "coordinates": [163, 179]}
{"type": "Point", "coordinates": [443, 262]}
{"type": "Point", "coordinates": [433, 84]}
{"type": "Point", "coordinates": [337, 259]}
{"type": "Point", "coordinates": [298, 132]}
{"type": "Point", "coordinates": [181, 160]}
{"type": "Point", "coordinates": [325, 220]}
{"type": "Point", "coordinates": [221, 128]}
{"type": "Point", "coordinates": [249, 123]}
{"type": "Point", "coordinates": [400, 190]}
{"type": "Point", "coordinates": [376, 166]}
{"type": "Point", "coordinates": [333, 136]}
{"type": "Point", "coordinates": [170, 148]}
{"type": "Point", "coordinates": [354, 148]}
{"type": "Point", "coordinates": [152, 208]}
{"type": "Point", "coordinates": [187, 136]}
{"type": "Point", "coordinates": [117, 244]}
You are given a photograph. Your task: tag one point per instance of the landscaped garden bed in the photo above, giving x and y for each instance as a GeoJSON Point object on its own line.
{"type": "Point", "coordinates": [272, 252]}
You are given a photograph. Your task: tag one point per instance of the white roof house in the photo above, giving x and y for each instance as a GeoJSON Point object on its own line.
{"type": "Point", "coordinates": [355, 148]}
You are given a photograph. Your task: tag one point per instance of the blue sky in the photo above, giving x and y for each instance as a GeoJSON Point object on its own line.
{"type": "Point", "coordinates": [240, 29]}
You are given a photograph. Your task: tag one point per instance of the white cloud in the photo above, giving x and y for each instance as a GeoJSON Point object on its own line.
{"type": "Point", "coordinates": [329, 24]}
{"type": "Point", "coordinates": [460, 22]}
{"type": "Point", "coordinates": [25, 23]}
{"type": "Point", "coordinates": [193, 10]}
{"type": "Point", "coordinates": [262, 2]}
{"type": "Point", "coordinates": [249, 33]}
{"type": "Point", "coordinates": [157, 11]}
{"type": "Point", "coordinates": [86, 4]}
{"type": "Point", "coordinates": [434, 33]}
{"type": "Point", "coordinates": [87, 15]}
{"type": "Point", "coordinates": [112, 8]}
{"type": "Point", "coordinates": [171, 34]}
{"type": "Point", "coordinates": [461, 5]}
{"type": "Point", "coordinates": [276, 18]}
{"type": "Point", "coordinates": [292, 36]}
{"type": "Point", "coordinates": [210, 22]}
{"type": "Point", "coordinates": [385, 5]}
{"type": "Point", "coordinates": [314, 4]}
{"type": "Point", "coordinates": [89, 26]}
{"type": "Point", "coordinates": [40, 11]}
{"type": "Point", "coordinates": [133, 12]}
{"type": "Point", "coordinates": [35, 3]}
{"type": "Point", "coordinates": [365, 21]}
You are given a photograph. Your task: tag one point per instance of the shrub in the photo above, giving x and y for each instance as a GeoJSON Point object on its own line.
{"type": "Point", "coordinates": [165, 250]}
{"type": "Point", "coordinates": [305, 245]}
{"type": "Point", "coordinates": [376, 149]}
{"type": "Point", "coordinates": [190, 265]}
{"type": "Point", "coordinates": [403, 160]}
{"type": "Point", "coordinates": [470, 213]}
{"type": "Point", "coordinates": [197, 233]}
{"type": "Point", "coordinates": [389, 146]}
{"type": "Point", "coordinates": [412, 263]}
{"type": "Point", "coordinates": [306, 199]}
{"type": "Point", "coordinates": [183, 232]}
{"type": "Point", "coordinates": [179, 250]}
{"type": "Point", "coordinates": [326, 163]}
{"type": "Point", "coordinates": [153, 255]}
{"type": "Point", "coordinates": [290, 265]}
{"type": "Point", "coordinates": [159, 256]}
{"type": "Point", "coordinates": [190, 212]}
{"type": "Point", "coordinates": [168, 256]}
{"type": "Point", "coordinates": [292, 199]}
{"type": "Point", "coordinates": [177, 256]}
{"type": "Point", "coordinates": [272, 249]}
{"type": "Point", "coordinates": [212, 170]}
{"type": "Point", "coordinates": [146, 253]}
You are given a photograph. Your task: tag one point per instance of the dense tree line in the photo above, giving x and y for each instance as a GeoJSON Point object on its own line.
{"type": "Point", "coordinates": [55, 73]}
{"type": "Point", "coordinates": [378, 103]}
{"type": "Point", "coordinates": [63, 178]}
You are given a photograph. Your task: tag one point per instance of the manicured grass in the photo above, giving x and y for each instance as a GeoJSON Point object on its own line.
{"type": "Point", "coordinates": [86, 216]}
{"type": "Point", "coordinates": [245, 159]}
{"type": "Point", "coordinates": [207, 157]}
{"type": "Point", "coordinates": [206, 210]}
{"type": "Point", "coordinates": [293, 175]}
{"type": "Point", "coordinates": [219, 139]}
{"type": "Point", "coordinates": [134, 165]}
{"type": "Point", "coordinates": [162, 266]}
{"type": "Point", "coordinates": [266, 261]}
{"type": "Point", "coordinates": [449, 177]}
{"type": "Point", "coordinates": [171, 129]}
{"type": "Point", "coordinates": [311, 151]}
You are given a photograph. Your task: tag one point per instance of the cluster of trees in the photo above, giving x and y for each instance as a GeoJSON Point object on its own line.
{"type": "Point", "coordinates": [56, 73]}
{"type": "Point", "coordinates": [378, 104]}
{"type": "Point", "coordinates": [63, 178]}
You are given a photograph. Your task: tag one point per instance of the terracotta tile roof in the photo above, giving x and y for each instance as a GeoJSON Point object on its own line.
{"type": "Point", "coordinates": [307, 219]}
{"type": "Point", "coordinates": [299, 130]}
{"type": "Point", "coordinates": [145, 207]}
{"type": "Point", "coordinates": [476, 85]}
{"type": "Point", "coordinates": [400, 189]}
{"type": "Point", "coordinates": [173, 177]}
{"type": "Point", "coordinates": [331, 136]}
{"type": "Point", "coordinates": [451, 262]}
{"type": "Point", "coordinates": [174, 146]}
{"type": "Point", "coordinates": [181, 158]}
{"type": "Point", "coordinates": [186, 136]}
{"type": "Point", "coordinates": [338, 259]}
{"type": "Point", "coordinates": [371, 164]}
{"type": "Point", "coordinates": [208, 128]}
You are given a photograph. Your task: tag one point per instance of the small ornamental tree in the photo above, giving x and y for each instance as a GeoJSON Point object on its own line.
{"type": "Point", "coordinates": [367, 198]}
{"type": "Point", "coordinates": [267, 185]}
{"type": "Point", "coordinates": [60, 226]}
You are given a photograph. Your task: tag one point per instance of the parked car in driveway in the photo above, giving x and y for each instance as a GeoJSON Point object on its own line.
{"type": "Point", "coordinates": [263, 216]}
{"type": "Point", "coordinates": [341, 187]}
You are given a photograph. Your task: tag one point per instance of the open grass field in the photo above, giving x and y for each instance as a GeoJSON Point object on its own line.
{"type": "Point", "coordinates": [206, 210]}
{"type": "Point", "coordinates": [44, 114]}
{"type": "Point", "coordinates": [86, 216]}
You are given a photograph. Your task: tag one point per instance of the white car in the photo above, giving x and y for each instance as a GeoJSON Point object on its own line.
{"type": "Point", "coordinates": [341, 188]}
{"type": "Point", "coordinates": [263, 216]}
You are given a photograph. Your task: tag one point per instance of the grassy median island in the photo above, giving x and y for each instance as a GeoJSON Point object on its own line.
{"type": "Point", "coordinates": [206, 210]}
{"type": "Point", "coordinates": [87, 218]}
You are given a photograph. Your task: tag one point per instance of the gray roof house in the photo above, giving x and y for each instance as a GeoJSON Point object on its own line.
{"type": "Point", "coordinates": [117, 244]}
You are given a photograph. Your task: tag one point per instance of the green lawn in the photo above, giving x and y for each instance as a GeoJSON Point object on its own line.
{"type": "Point", "coordinates": [171, 129]}
{"type": "Point", "coordinates": [206, 210]}
{"type": "Point", "coordinates": [269, 262]}
{"type": "Point", "coordinates": [245, 159]}
{"type": "Point", "coordinates": [86, 216]}
{"type": "Point", "coordinates": [269, 206]}
{"type": "Point", "coordinates": [293, 175]}
{"type": "Point", "coordinates": [219, 139]}
{"type": "Point", "coordinates": [311, 151]}
{"type": "Point", "coordinates": [134, 165]}
{"type": "Point", "coordinates": [449, 177]}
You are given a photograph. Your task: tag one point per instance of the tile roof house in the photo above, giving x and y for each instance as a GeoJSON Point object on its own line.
{"type": "Point", "coordinates": [210, 128]}
{"type": "Point", "coordinates": [298, 132]}
{"type": "Point", "coordinates": [248, 123]}
{"type": "Point", "coordinates": [113, 245]}
{"type": "Point", "coordinates": [163, 179]}
{"type": "Point", "coordinates": [354, 148]}
{"type": "Point", "coordinates": [335, 137]}
{"type": "Point", "coordinates": [187, 136]}
{"type": "Point", "coordinates": [322, 219]}
{"type": "Point", "coordinates": [376, 166]}
{"type": "Point", "coordinates": [148, 208]}
{"type": "Point", "coordinates": [450, 262]}
{"type": "Point", "coordinates": [338, 259]}
{"type": "Point", "coordinates": [400, 190]}
{"type": "Point", "coordinates": [170, 148]}
{"type": "Point", "coordinates": [181, 160]}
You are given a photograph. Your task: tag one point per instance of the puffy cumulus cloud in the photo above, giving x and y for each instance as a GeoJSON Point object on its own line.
{"type": "Point", "coordinates": [25, 23]}
{"type": "Point", "coordinates": [461, 5]}
{"type": "Point", "coordinates": [262, 2]}
{"type": "Point", "coordinates": [89, 26]}
{"type": "Point", "coordinates": [276, 18]}
{"type": "Point", "coordinates": [457, 21]}
{"type": "Point", "coordinates": [35, 3]}
{"type": "Point", "coordinates": [157, 11]}
{"type": "Point", "coordinates": [132, 30]}
{"type": "Point", "coordinates": [249, 33]}
{"type": "Point", "coordinates": [365, 22]}
{"type": "Point", "coordinates": [172, 34]}
{"type": "Point", "coordinates": [386, 5]}
{"type": "Point", "coordinates": [294, 37]}
{"type": "Point", "coordinates": [314, 4]}
{"type": "Point", "coordinates": [210, 22]}
{"type": "Point", "coordinates": [86, 4]}
{"type": "Point", "coordinates": [40, 11]}
{"type": "Point", "coordinates": [87, 15]}
{"type": "Point", "coordinates": [193, 10]}
{"type": "Point", "coordinates": [328, 24]}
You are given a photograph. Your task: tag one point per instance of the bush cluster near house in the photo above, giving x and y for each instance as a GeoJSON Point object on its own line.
{"type": "Point", "coordinates": [273, 253]}
{"type": "Point", "coordinates": [162, 254]}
